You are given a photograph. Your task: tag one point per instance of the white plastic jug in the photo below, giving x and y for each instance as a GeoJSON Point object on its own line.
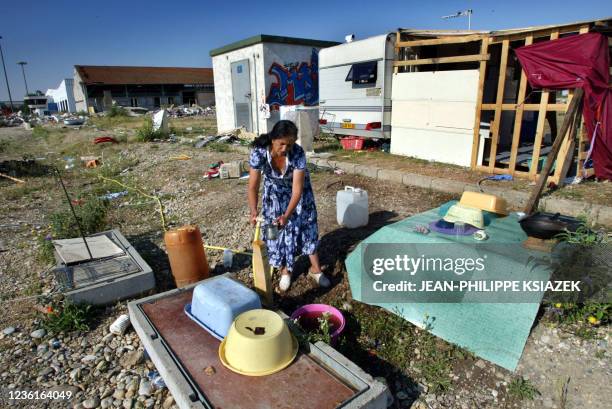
{"type": "Point", "coordinates": [352, 207]}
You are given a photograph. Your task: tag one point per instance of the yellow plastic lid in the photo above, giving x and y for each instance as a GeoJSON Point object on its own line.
{"type": "Point", "coordinates": [484, 201]}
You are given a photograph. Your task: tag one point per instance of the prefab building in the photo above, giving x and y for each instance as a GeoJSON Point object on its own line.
{"type": "Point", "coordinates": [256, 76]}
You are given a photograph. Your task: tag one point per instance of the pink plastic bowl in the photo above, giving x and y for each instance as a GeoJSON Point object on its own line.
{"type": "Point", "coordinates": [307, 316]}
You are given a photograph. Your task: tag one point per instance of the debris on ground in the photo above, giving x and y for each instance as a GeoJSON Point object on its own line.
{"type": "Point", "coordinates": [104, 139]}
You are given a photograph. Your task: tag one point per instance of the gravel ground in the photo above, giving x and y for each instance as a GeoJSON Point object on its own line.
{"type": "Point", "coordinates": [104, 370]}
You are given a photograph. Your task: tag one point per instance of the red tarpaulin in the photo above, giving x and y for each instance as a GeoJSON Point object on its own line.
{"type": "Point", "coordinates": [579, 61]}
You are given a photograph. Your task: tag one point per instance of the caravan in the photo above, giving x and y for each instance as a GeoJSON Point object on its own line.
{"type": "Point", "coordinates": [355, 87]}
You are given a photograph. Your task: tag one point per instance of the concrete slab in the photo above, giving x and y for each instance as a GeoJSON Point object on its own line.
{"type": "Point", "coordinates": [368, 393]}
{"type": "Point", "coordinates": [107, 281]}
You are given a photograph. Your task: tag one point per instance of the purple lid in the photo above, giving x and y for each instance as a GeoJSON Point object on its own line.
{"type": "Point", "coordinates": [445, 227]}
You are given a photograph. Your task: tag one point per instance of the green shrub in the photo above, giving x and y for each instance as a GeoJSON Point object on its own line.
{"type": "Point", "coordinates": [116, 111]}
{"type": "Point", "coordinates": [146, 133]}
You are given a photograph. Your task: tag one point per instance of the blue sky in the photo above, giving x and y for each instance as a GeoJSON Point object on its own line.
{"type": "Point", "coordinates": [53, 36]}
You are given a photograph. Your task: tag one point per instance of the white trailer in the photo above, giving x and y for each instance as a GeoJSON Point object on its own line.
{"type": "Point", "coordinates": [355, 87]}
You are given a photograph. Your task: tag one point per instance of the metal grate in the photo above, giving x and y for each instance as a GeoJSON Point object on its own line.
{"type": "Point", "coordinates": [85, 274]}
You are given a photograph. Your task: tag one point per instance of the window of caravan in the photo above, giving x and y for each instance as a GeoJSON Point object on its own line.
{"type": "Point", "coordinates": [363, 73]}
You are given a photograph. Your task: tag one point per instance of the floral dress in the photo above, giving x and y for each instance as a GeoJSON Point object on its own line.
{"type": "Point", "coordinates": [300, 234]}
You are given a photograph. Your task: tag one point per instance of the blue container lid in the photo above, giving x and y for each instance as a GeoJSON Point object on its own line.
{"type": "Point", "coordinates": [217, 301]}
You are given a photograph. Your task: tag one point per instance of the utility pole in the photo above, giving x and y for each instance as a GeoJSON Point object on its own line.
{"type": "Point", "coordinates": [22, 63]}
{"type": "Point", "coordinates": [8, 88]}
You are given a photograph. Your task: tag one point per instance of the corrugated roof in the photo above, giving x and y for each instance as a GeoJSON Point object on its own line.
{"type": "Point", "coordinates": [116, 75]}
{"type": "Point", "coordinates": [265, 38]}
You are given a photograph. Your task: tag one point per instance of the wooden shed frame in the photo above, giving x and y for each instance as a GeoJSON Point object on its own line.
{"type": "Point", "coordinates": [410, 43]}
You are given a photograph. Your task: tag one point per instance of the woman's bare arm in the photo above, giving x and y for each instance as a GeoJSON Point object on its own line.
{"type": "Point", "coordinates": [296, 191]}
{"type": "Point", "coordinates": [253, 192]}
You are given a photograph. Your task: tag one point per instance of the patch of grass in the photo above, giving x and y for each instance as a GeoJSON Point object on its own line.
{"type": "Point", "coordinates": [436, 362]}
{"type": "Point", "coordinates": [40, 132]}
{"type": "Point", "coordinates": [34, 288]}
{"type": "Point", "coordinates": [218, 147]}
{"type": "Point", "coordinates": [521, 388]}
{"type": "Point", "coordinates": [146, 133]}
{"type": "Point", "coordinates": [67, 317]}
{"type": "Point", "coordinates": [114, 166]}
{"type": "Point", "coordinates": [20, 191]}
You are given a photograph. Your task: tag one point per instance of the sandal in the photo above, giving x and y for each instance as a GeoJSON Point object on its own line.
{"type": "Point", "coordinates": [320, 278]}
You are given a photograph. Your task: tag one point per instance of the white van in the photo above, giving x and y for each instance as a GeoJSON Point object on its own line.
{"type": "Point", "coordinates": [355, 87]}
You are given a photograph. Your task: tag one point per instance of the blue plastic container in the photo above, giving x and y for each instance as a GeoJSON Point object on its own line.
{"type": "Point", "coordinates": [217, 301]}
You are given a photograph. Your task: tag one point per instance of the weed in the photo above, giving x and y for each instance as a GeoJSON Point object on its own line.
{"type": "Point", "coordinates": [522, 389]}
{"type": "Point", "coordinates": [583, 236]}
{"type": "Point", "coordinates": [600, 354]}
{"type": "Point", "coordinates": [146, 133]}
{"type": "Point", "coordinates": [322, 333]}
{"type": "Point", "coordinates": [68, 317]}
{"type": "Point", "coordinates": [592, 313]}
{"type": "Point", "coordinates": [92, 217]}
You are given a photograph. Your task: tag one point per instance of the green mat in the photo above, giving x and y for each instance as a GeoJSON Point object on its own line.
{"type": "Point", "coordinates": [493, 331]}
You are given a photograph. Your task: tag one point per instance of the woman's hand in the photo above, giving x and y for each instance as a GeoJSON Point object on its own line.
{"type": "Point", "coordinates": [253, 218]}
{"type": "Point", "coordinates": [282, 220]}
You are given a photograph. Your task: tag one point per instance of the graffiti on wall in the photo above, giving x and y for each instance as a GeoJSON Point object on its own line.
{"type": "Point", "coordinates": [296, 83]}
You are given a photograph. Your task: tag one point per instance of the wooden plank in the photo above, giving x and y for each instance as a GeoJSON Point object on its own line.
{"type": "Point", "coordinates": [554, 34]}
{"type": "Point", "coordinates": [440, 40]}
{"type": "Point", "coordinates": [526, 107]}
{"type": "Point", "coordinates": [498, 103]}
{"type": "Point", "coordinates": [481, 80]}
{"type": "Point", "coordinates": [536, 34]}
{"type": "Point", "coordinates": [397, 51]}
{"type": "Point", "coordinates": [570, 116]}
{"type": "Point", "coordinates": [518, 118]}
{"type": "Point", "coordinates": [566, 152]}
{"type": "Point", "coordinates": [537, 143]}
{"type": "Point", "coordinates": [501, 171]}
{"type": "Point", "coordinates": [443, 60]}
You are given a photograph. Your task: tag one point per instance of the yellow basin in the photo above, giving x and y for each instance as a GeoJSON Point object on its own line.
{"type": "Point", "coordinates": [258, 343]}
{"type": "Point", "coordinates": [483, 201]}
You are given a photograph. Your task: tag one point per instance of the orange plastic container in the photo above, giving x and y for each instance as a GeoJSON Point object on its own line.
{"type": "Point", "coordinates": [186, 253]}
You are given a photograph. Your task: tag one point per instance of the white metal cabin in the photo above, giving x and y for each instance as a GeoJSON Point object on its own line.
{"type": "Point", "coordinates": [355, 87]}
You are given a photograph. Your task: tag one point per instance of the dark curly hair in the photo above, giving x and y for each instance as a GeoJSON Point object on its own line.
{"type": "Point", "coordinates": [281, 129]}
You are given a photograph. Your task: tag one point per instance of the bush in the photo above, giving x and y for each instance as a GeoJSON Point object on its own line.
{"type": "Point", "coordinates": [116, 111]}
{"type": "Point", "coordinates": [146, 133]}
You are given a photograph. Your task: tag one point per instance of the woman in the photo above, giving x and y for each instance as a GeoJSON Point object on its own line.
{"type": "Point", "coordinates": [287, 201]}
